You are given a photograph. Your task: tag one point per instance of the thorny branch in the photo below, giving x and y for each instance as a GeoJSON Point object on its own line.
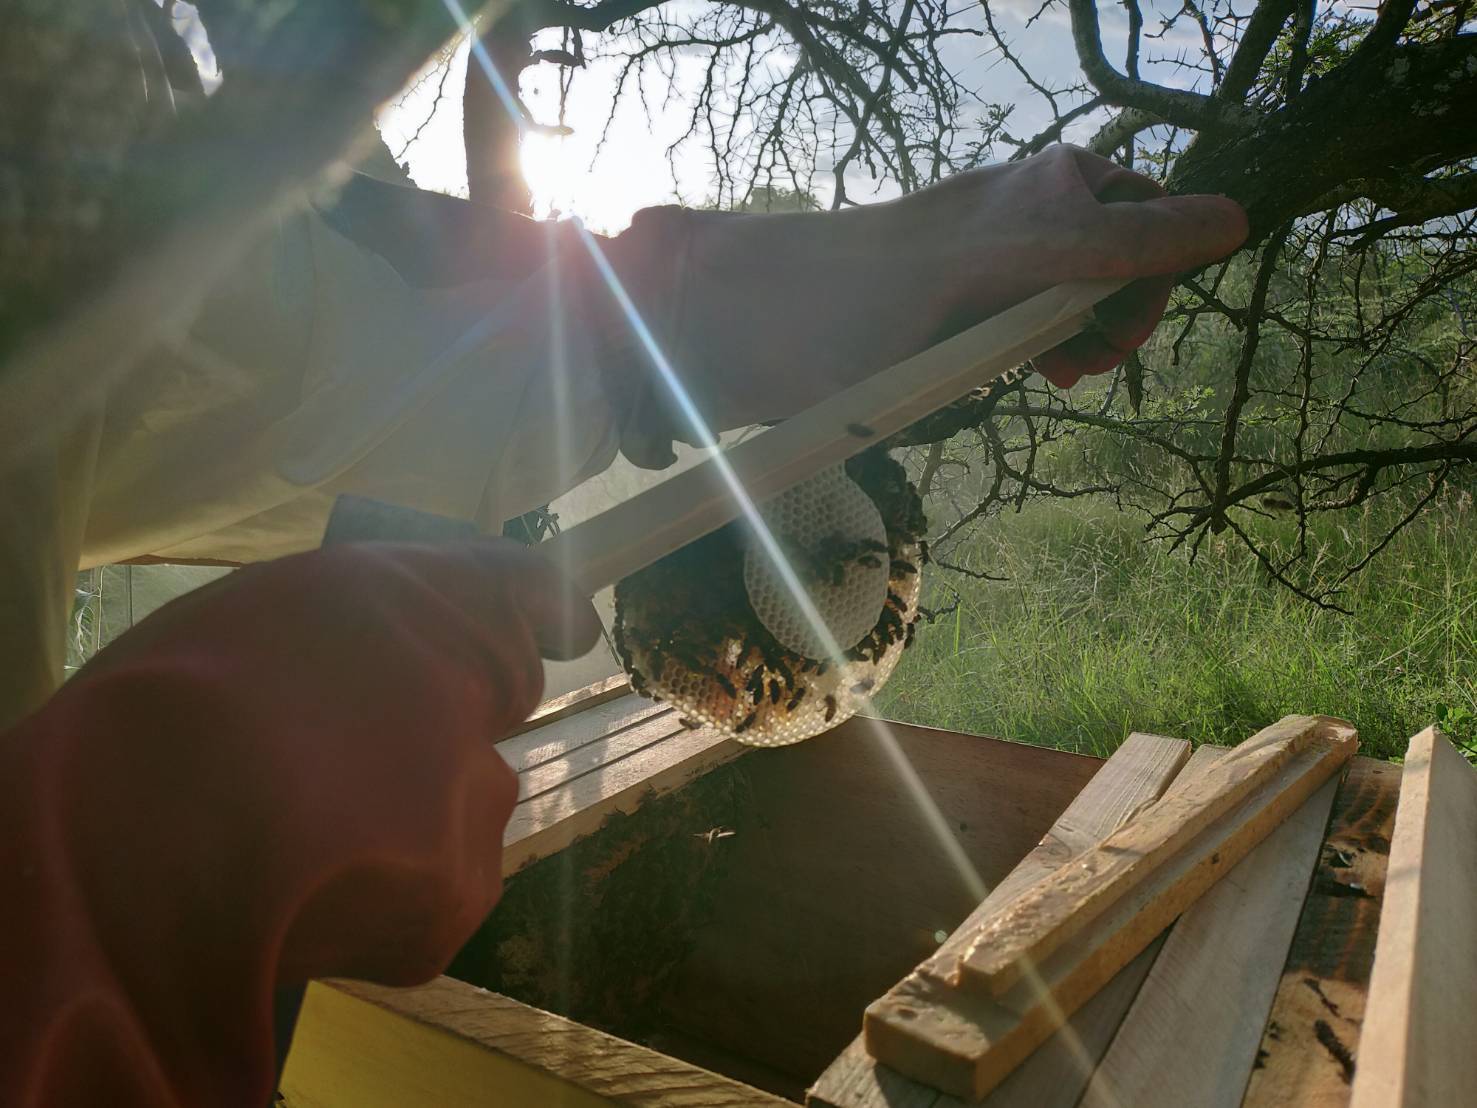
{"type": "Point", "coordinates": [1333, 374]}
{"type": "Point", "coordinates": [1337, 375]}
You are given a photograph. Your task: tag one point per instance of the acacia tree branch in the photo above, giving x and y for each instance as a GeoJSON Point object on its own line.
{"type": "Point", "coordinates": [1256, 43]}
{"type": "Point", "coordinates": [1302, 31]}
{"type": "Point", "coordinates": [1053, 133]}
{"type": "Point", "coordinates": [1121, 129]}
{"type": "Point", "coordinates": [1135, 30]}
{"type": "Point", "coordinates": [824, 57]}
{"type": "Point", "coordinates": [1410, 98]}
{"type": "Point", "coordinates": [1241, 391]}
{"type": "Point", "coordinates": [931, 466]}
{"type": "Point", "coordinates": [889, 63]}
{"type": "Point", "coordinates": [1178, 106]}
{"type": "Point", "coordinates": [1393, 17]}
{"type": "Point", "coordinates": [1368, 463]}
{"type": "Point", "coordinates": [1417, 199]}
{"type": "Point", "coordinates": [491, 133]}
{"type": "Point", "coordinates": [597, 17]}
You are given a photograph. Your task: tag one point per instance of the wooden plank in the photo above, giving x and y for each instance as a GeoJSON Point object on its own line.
{"type": "Point", "coordinates": [1134, 777]}
{"type": "Point", "coordinates": [838, 883]}
{"type": "Point", "coordinates": [1306, 1058]}
{"type": "Point", "coordinates": [451, 1045]}
{"type": "Point", "coordinates": [574, 702]}
{"type": "Point", "coordinates": [935, 1032]}
{"type": "Point", "coordinates": [1192, 1034]}
{"type": "Point", "coordinates": [857, 1080]}
{"type": "Point", "coordinates": [1416, 1047]}
{"type": "Point", "coordinates": [1026, 932]}
{"type": "Point", "coordinates": [598, 755]}
{"type": "Point", "coordinates": [564, 736]}
{"type": "Point", "coordinates": [544, 824]}
{"type": "Point", "coordinates": [1136, 773]}
{"type": "Point", "coordinates": [595, 752]}
{"type": "Point", "coordinates": [684, 508]}
{"type": "Point", "coordinates": [1058, 1070]}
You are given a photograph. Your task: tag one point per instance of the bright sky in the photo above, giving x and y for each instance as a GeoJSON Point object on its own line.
{"type": "Point", "coordinates": [633, 170]}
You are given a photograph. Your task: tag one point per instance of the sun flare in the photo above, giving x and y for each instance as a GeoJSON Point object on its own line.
{"type": "Point", "coordinates": [551, 170]}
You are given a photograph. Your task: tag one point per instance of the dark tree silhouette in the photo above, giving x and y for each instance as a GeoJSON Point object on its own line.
{"type": "Point", "coordinates": [1326, 368]}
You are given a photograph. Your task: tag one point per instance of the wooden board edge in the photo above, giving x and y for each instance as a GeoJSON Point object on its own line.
{"type": "Point", "coordinates": [608, 547]}
{"type": "Point", "coordinates": [1031, 928]}
{"type": "Point", "coordinates": [1424, 980]}
{"type": "Point", "coordinates": [1306, 1058]}
{"type": "Point", "coordinates": [965, 1042]}
{"type": "Point", "coordinates": [1224, 954]}
{"type": "Point", "coordinates": [452, 1045]}
{"type": "Point", "coordinates": [1140, 770]}
{"type": "Point", "coordinates": [570, 703]}
{"type": "Point", "coordinates": [599, 755]}
{"type": "Point", "coordinates": [539, 828]}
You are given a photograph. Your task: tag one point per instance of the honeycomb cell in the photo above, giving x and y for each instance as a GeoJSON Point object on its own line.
{"type": "Point", "coordinates": [830, 511]}
{"type": "Point", "coordinates": [709, 631]}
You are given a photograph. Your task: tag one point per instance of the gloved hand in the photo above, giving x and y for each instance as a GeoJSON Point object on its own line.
{"type": "Point", "coordinates": [288, 774]}
{"type": "Point", "coordinates": [766, 314]}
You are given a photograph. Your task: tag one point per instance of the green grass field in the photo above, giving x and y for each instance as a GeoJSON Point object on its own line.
{"type": "Point", "coordinates": [1098, 633]}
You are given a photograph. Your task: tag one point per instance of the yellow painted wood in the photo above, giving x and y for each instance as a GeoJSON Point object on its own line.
{"type": "Point", "coordinates": [349, 1053]}
{"type": "Point", "coordinates": [447, 1044]}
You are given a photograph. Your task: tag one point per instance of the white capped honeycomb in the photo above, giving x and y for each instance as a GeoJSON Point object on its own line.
{"type": "Point", "coordinates": [828, 506]}
{"type": "Point", "coordinates": [760, 675]}
{"type": "Point", "coordinates": [827, 695]}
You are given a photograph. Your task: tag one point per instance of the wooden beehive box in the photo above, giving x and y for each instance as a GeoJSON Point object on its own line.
{"type": "Point", "coordinates": [688, 922]}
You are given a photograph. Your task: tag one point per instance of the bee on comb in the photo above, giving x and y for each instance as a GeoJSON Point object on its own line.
{"type": "Point", "coordinates": [714, 630]}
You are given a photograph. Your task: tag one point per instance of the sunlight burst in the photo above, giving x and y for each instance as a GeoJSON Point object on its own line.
{"type": "Point", "coordinates": [550, 166]}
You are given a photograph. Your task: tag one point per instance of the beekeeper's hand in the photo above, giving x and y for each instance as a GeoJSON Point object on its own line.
{"type": "Point", "coordinates": [287, 774]}
{"type": "Point", "coordinates": [765, 314]}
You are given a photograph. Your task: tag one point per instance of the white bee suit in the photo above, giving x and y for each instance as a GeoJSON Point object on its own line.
{"type": "Point", "coordinates": [311, 369]}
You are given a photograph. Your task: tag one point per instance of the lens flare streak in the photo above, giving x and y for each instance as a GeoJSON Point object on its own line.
{"type": "Point", "coordinates": [704, 436]}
